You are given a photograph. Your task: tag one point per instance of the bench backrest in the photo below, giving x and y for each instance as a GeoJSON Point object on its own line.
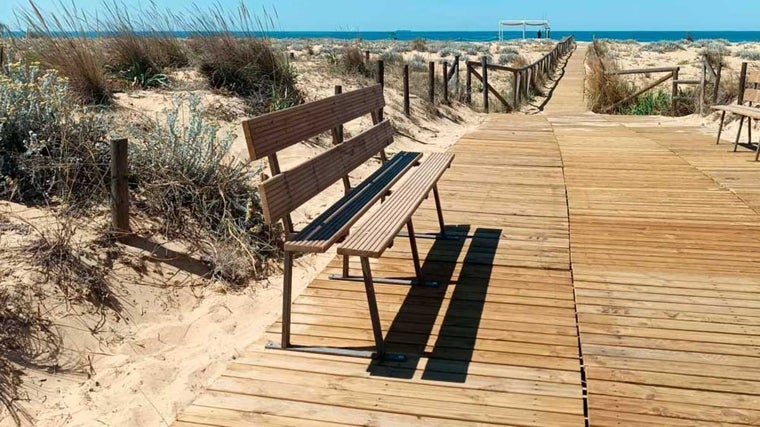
{"type": "Point", "coordinates": [749, 80]}
{"type": "Point", "coordinates": [268, 134]}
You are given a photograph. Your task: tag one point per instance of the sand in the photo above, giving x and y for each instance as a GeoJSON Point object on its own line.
{"type": "Point", "coordinates": [178, 330]}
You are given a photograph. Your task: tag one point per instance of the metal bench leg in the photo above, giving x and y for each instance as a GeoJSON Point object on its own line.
{"type": "Point", "coordinates": [374, 314]}
{"type": "Point", "coordinates": [346, 261]}
{"type": "Point", "coordinates": [440, 211]}
{"type": "Point", "coordinates": [415, 252]}
{"type": "Point", "coordinates": [720, 129]}
{"type": "Point", "coordinates": [287, 295]}
{"type": "Point", "coordinates": [738, 134]}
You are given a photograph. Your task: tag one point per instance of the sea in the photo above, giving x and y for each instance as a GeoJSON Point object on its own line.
{"type": "Point", "coordinates": [484, 36]}
{"type": "Point", "coordinates": [487, 36]}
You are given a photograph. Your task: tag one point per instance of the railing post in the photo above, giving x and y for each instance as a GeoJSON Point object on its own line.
{"type": "Point", "coordinates": [2, 56]}
{"type": "Point", "coordinates": [339, 128]}
{"type": "Point", "coordinates": [515, 90]}
{"type": "Point", "coordinates": [674, 96]}
{"type": "Point", "coordinates": [742, 83]}
{"type": "Point", "coordinates": [468, 83]}
{"type": "Point", "coordinates": [381, 80]}
{"type": "Point", "coordinates": [716, 89]}
{"type": "Point", "coordinates": [407, 109]}
{"type": "Point", "coordinates": [366, 57]}
{"type": "Point", "coordinates": [484, 62]}
{"type": "Point", "coordinates": [431, 82]}
{"type": "Point", "coordinates": [119, 187]}
{"type": "Point", "coordinates": [445, 82]}
{"type": "Point", "coordinates": [456, 64]}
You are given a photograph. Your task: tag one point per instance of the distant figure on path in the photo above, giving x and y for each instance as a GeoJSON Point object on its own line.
{"type": "Point", "coordinates": [539, 34]}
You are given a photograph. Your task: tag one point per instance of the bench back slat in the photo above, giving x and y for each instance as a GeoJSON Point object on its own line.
{"type": "Point", "coordinates": [272, 132]}
{"type": "Point", "coordinates": [751, 95]}
{"type": "Point", "coordinates": [753, 76]}
{"type": "Point", "coordinates": [285, 192]}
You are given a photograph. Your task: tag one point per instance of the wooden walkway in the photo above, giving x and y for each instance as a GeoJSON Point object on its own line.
{"type": "Point", "coordinates": [608, 274]}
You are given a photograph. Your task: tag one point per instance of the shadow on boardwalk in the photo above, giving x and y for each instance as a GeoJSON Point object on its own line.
{"type": "Point", "coordinates": [412, 328]}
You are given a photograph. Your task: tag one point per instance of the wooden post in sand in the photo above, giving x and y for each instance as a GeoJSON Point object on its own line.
{"type": "Point", "coordinates": [366, 57]}
{"type": "Point", "coordinates": [674, 95]}
{"type": "Point", "coordinates": [338, 131]}
{"type": "Point", "coordinates": [742, 83]}
{"type": "Point", "coordinates": [445, 82]}
{"type": "Point", "coordinates": [456, 64]}
{"type": "Point", "coordinates": [515, 90]}
{"type": "Point", "coordinates": [484, 63]}
{"type": "Point", "coordinates": [2, 56]}
{"type": "Point", "coordinates": [381, 80]}
{"type": "Point", "coordinates": [407, 109]}
{"type": "Point", "coordinates": [119, 187]}
{"type": "Point", "coordinates": [431, 82]}
{"type": "Point", "coordinates": [716, 88]}
{"type": "Point", "coordinates": [468, 84]}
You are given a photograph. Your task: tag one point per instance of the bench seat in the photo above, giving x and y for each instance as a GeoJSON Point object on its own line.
{"type": "Point", "coordinates": [335, 222]}
{"type": "Point", "coordinates": [741, 110]}
{"type": "Point", "coordinates": [376, 234]}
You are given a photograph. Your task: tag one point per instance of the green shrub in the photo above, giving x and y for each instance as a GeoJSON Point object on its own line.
{"type": "Point", "coordinates": [651, 103]}
{"type": "Point", "coordinates": [506, 58]}
{"type": "Point", "coordinates": [662, 47]}
{"type": "Point", "coordinates": [186, 178]}
{"type": "Point", "coordinates": [50, 149]}
{"type": "Point", "coordinates": [750, 55]}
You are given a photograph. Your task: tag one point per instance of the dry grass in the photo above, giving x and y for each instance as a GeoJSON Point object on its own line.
{"type": "Point", "coordinates": [62, 45]}
{"type": "Point", "coordinates": [603, 90]}
{"type": "Point", "coordinates": [352, 61]}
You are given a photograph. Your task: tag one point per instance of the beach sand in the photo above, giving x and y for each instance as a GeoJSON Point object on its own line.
{"type": "Point", "coordinates": [178, 330]}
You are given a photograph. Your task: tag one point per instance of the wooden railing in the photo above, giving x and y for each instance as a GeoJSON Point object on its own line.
{"type": "Point", "coordinates": [709, 73]}
{"type": "Point", "coordinates": [524, 80]}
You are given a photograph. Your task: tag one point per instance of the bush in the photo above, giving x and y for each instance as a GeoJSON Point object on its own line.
{"type": "Point", "coordinates": [662, 47]}
{"type": "Point", "coordinates": [50, 149]}
{"type": "Point", "coordinates": [391, 58]}
{"type": "Point", "coordinates": [62, 45]}
{"type": "Point", "coordinates": [418, 63]}
{"type": "Point", "coordinates": [716, 53]}
{"type": "Point", "coordinates": [248, 66]}
{"type": "Point", "coordinates": [506, 58]}
{"type": "Point", "coordinates": [418, 44]}
{"type": "Point", "coordinates": [445, 52]}
{"type": "Point", "coordinates": [651, 103]}
{"type": "Point", "coordinates": [185, 176]}
{"type": "Point", "coordinates": [352, 61]}
{"type": "Point", "coordinates": [750, 55]}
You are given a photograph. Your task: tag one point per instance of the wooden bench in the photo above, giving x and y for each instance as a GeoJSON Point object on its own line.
{"type": "Point", "coordinates": [749, 95]}
{"type": "Point", "coordinates": [285, 191]}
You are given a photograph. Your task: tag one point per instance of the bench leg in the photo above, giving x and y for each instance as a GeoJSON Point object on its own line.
{"type": "Point", "coordinates": [749, 130]}
{"type": "Point", "coordinates": [439, 209]}
{"type": "Point", "coordinates": [415, 252]}
{"type": "Point", "coordinates": [738, 134]}
{"type": "Point", "coordinates": [287, 295]}
{"type": "Point", "coordinates": [374, 313]}
{"type": "Point", "coordinates": [346, 261]}
{"type": "Point", "coordinates": [720, 128]}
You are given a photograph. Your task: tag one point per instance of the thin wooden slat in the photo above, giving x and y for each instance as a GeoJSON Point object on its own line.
{"type": "Point", "coordinates": [381, 228]}
{"type": "Point", "coordinates": [272, 132]}
{"type": "Point", "coordinates": [287, 191]}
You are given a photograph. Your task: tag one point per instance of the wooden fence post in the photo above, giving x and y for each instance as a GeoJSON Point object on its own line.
{"type": "Point", "coordinates": [339, 129]}
{"type": "Point", "coordinates": [742, 83]}
{"type": "Point", "coordinates": [702, 88]}
{"type": "Point", "coordinates": [716, 89]}
{"type": "Point", "coordinates": [445, 82]}
{"type": "Point", "coordinates": [381, 80]}
{"type": "Point", "coordinates": [431, 82]}
{"type": "Point", "coordinates": [119, 186]}
{"type": "Point", "coordinates": [515, 90]}
{"type": "Point", "coordinates": [2, 56]}
{"type": "Point", "coordinates": [484, 62]}
{"type": "Point", "coordinates": [456, 62]}
{"type": "Point", "coordinates": [366, 57]}
{"type": "Point", "coordinates": [468, 83]}
{"type": "Point", "coordinates": [407, 109]}
{"type": "Point", "coordinates": [674, 95]}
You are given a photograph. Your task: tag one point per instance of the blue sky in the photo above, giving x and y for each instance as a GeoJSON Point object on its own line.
{"type": "Point", "coordinates": [430, 15]}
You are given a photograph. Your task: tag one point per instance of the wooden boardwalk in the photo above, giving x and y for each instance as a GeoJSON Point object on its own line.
{"type": "Point", "coordinates": [608, 274]}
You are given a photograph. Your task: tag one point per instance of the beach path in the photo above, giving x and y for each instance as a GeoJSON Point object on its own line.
{"type": "Point", "coordinates": [607, 273]}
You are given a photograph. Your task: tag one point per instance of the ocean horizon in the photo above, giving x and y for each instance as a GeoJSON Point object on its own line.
{"type": "Point", "coordinates": [491, 36]}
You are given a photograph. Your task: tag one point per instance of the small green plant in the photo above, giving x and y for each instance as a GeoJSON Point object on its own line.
{"type": "Point", "coordinates": [750, 55]}
{"type": "Point", "coordinates": [507, 58]}
{"type": "Point", "coordinates": [651, 103]}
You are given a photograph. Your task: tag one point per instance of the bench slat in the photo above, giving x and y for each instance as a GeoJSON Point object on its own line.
{"type": "Point", "coordinates": [336, 221]}
{"type": "Point", "coordinates": [287, 191]}
{"type": "Point", "coordinates": [753, 76]}
{"type": "Point", "coordinates": [272, 132]}
{"type": "Point", "coordinates": [377, 233]}
{"type": "Point", "coordinates": [740, 110]}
